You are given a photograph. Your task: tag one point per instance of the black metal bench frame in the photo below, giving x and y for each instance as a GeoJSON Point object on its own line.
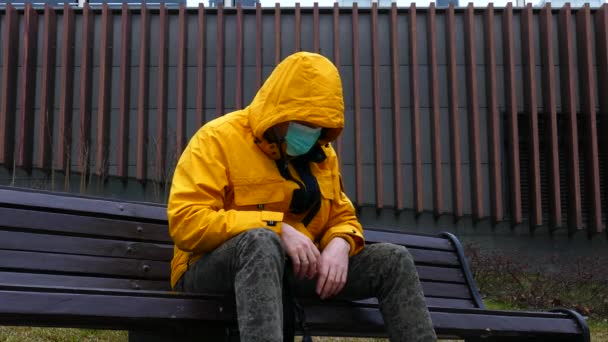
{"type": "Point", "coordinates": [75, 261]}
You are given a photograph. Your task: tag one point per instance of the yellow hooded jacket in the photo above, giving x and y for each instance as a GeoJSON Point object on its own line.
{"type": "Point", "coordinates": [227, 181]}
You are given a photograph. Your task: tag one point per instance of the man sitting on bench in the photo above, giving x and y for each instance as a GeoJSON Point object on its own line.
{"type": "Point", "coordinates": [261, 184]}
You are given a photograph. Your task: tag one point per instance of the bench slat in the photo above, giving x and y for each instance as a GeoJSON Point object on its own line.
{"type": "Point", "coordinates": [427, 257]}
{"type": "Point", "coordinates": [19, 241]}
{"type": "Point", "coordinates": [107, 310]}
{"type": "Point", "coordinates": [54, 280]}
{"type": "Point", "coordinates": [432, 289]}
{"type": "Point", "coordinates": [83, 225]}
{"type": "Point", "coordinates": [433, 273]}
{"type": "Point", "coordinates": [417, 241]}
{"type": "Point", "coordinates": [90, 265]}
{"type": "Point", "coordinates": [76, 203]}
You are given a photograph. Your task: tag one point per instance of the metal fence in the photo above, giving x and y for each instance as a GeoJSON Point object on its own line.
{"type": "Point", "coordinates": [493, 113]}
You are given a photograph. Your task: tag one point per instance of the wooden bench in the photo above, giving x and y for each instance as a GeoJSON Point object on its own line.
{"type": "Point", "coordinates": [74, 261]}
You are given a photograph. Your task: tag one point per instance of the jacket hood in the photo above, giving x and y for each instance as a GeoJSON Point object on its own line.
{"type": "Point", "coordinates": [303, 87]}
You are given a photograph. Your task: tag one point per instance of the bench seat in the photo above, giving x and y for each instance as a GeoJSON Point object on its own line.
{"type": "Point", "coordinates": [74, 261]}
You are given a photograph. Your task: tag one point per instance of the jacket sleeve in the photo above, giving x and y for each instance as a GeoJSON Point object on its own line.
{"type": "Point", "coordinates": [198, 220]}
{"type": "Point", "coordinates": [343, 220]}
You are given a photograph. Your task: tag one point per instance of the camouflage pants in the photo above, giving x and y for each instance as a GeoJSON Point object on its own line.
{"type": "Point", "coordinates": [251, 266]}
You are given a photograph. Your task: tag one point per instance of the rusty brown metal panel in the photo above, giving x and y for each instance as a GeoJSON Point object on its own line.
{"type": "Point", "coordinates": [376, 101]}
{"type": "Point", "coordinates": [511, 108]}
{"type": "Point", "coordinates": [494, 147]}
{"type": "Point", "coordinates": [239, 56]}
{"type": "Point", "coordinates": [336, 29]}
{"type": "Point", "coordinates": [454, 121]}
{"type": "Point", "coordinates": [277, 33]}
{"type": "Point", "coordinates": [86, 89]}
{"type": "Point", "coordinates": [66, 91]}
{"type": "Point", "coordinates": [28, 88]}
{"type": "Point", "coordinates": [105, 91]}
{"type": "Point", "coordinates": [415, 108]}
{"type": "Point", "coordinates": [601, 30]}
{"type": "Point", "coordinates": [566, 48]}
{"type": "Point", "coordinates": [530, 103]}
{"type": "Point", "coordinates": [47, 103]}
{"type": "Point", "coordinates": [161, 117]}
{"type": "Point", "coordinates": [125, 93]}
{"type": "Point", "coordinates": [200, 70]}
{"type": "Point", "coordinates": [473, 115]}
{"type": "Point", "coordinates": [588, 101]}
{"type": "Point", "coordinates": [435, 117]}
{"type": "Point", "coordinates": [549, 99]}
{"type": "Point", "coordinates": [181, 81]}
{"type": "Point", "coordinates": [315, 19]}
{"type": "Point", "coordinates": [357, 98]}
{"type": "Point", "coordinates": [219, 63]}
{"type": "Point", "coordinates": [258, 45]}
{"type": "Point", "coordinates": [298, 33]}
{"type": "Point", "coordinates": [396, 109]}
{"type": "Point", "coordinates": [142, 98]}
{"type": "Point", "coordinates": [10, 48]}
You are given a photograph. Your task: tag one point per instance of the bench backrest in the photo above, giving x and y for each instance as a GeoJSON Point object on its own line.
{"type": "Point", "coordinates": [60, 240]}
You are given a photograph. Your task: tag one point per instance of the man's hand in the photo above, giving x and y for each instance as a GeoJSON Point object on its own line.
{"type": "Point", "coordinates": [303, 253]}
{"type": "Point", "coordinates": [333, 268]}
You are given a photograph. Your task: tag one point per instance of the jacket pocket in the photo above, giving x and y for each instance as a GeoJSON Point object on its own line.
{"type": "Point", "coordinates": [246, 194]}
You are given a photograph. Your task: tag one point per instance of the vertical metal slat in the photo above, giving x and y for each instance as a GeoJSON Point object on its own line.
{"type": "Point", "coordinates": [396, 109]}
{"type": "Point", "coordinates": [258, 45]}
{"type": "Point", "coordinates": [161, 118]}
{"type": "Point", "coordinates": [10, 48]}
{"type": "Point", "coordinates": [28, 88]}
{"type": "Point", "coordinates": [200, 70]}
{"type": "Point", "coordinates": [47, 100]}
{"type": "Point", "coordinates": [316, 29]}
{"type": "Point", "coordinates": [415, 112]}
{"type": "Point", "coordinates": [142, 100]}
{"type": "Point", "coordinates": [377, 114]}
{"type": "Point", "coordinates": [219, 63]}
{"type": "Point", "coordinates": [356, 96]}
{"type": "Point", "coordinates": [86, 89]}
{"type": "Point", "coordinates": [336, 33]}
{"type": "Point", "coordinates": [473, 115]}
{"type": "Point", "coordinates": [493, 118]}
{"type": "Point", "coordinates": [125, 93]}
{"type": "Point", "coordinates": [550, 108]}
{"type": "Point", "coordinates": [511, 108]}
{"type": "Point", "coordinates": [588, 102]}
{"type": "Point", "coordinates": [601, 30]}
{"type": "Point", "coordinates": [105, 92]}
{"type": "Point", "coordinates": [536, 215]}
{"type": "Point", "coordinates": [575, 217]}
{"type": "Point", "coordinates": [277, 33]}
{"type": "Point", "coordinates": [298, 33]}
{"type": "Point", "coordinates": [239, 56]}
{"type": "Point", "coordinates": [66, 92]}
{"type": "Point", "coordinates": [435, 117]}
{"type": "Point", "coordinates": [181, 81]}
{"type": "Point", "coordinates": [453, 108]}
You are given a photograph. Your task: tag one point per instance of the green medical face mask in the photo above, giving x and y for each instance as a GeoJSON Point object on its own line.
{"type": "Point", "coordinates": [300, 138]}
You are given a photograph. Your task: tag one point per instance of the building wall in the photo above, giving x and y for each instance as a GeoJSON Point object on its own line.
{"type": "Point", "coordinates": [456, 119]}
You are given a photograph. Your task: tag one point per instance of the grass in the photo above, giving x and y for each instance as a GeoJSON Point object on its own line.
{"type": "Point", "coordinates": [599, 333]}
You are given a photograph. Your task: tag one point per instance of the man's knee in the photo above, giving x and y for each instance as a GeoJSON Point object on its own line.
{"type": "Point", "coordinates": [391, 256]}
{"type": "Point", "coordinates": [262, 242]}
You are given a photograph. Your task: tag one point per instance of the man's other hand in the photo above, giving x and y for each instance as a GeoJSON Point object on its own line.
{"type": "Point", "coordinates": [333, 268]}
{"type": "Point", "coordinates": [302, 251]}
